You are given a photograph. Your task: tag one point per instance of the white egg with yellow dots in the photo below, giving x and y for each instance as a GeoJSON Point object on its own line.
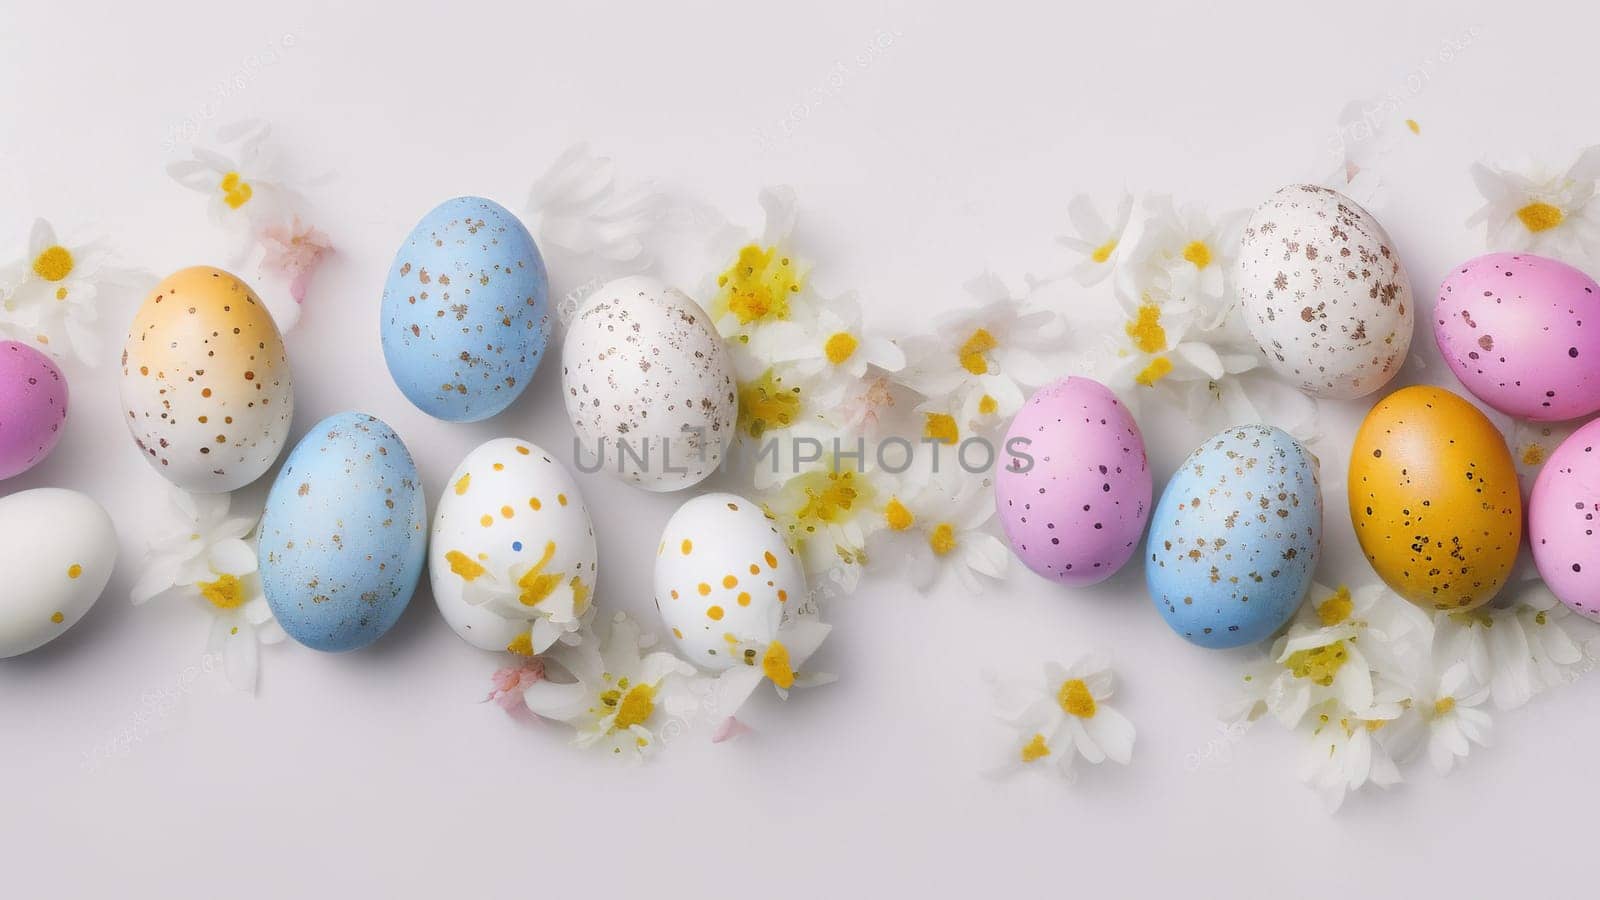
{"type": "Point", "coordinates": [57, 551]}
{"type": "Point", "coordinates": [724, 576]}
{"type": "Point", "coordinates": [512, 559]}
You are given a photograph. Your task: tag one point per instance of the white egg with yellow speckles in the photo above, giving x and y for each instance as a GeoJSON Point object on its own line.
{"type": "Point", "coordinates": [57, 550]}
{"type": "Point", "coordinates": [724, 576]}
{"type": "Point", "coordinates": [512, 558]}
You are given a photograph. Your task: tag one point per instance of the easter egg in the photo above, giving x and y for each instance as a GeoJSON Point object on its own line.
{"type": "Point", "coordinates": [1522, 332]}
{"type": "Point", "coordinates": [1074, 495]}
{"type": "Point", "coordinates": [1323, 292]}
{"type": "Point", "coordinates": [512, 558]}
{"type": "Point", "coordinates": [649, 385]}
{"type": "Point", "coordinates": [343, 535]}
{"type": "Point", "coordinates": [1434, 499]}
{"type": "Point", "coordinates": [1235, 538]}
{"type": "Point", "coordinates": [57, 551]}
{"type": "Point", "coordinates": [723, 577]}
{"type": "Point", "coordinates": [205, 382]}
{"type": "Point", "coordinates": [1561, 521]}
{"type": "Point", "coordinates": [465, 311]}
{"type": "Point", "coordinates": [33, 407]}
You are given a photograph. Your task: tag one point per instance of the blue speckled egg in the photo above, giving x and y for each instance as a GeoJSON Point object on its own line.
{"type": "Point", "coordinates": [344, 534]}
{"type": "Point", "coordinates": [465, 311]}
{"type": "Point", "coordinates": [1235, 539]}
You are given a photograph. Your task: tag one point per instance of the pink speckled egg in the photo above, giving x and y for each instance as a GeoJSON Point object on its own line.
{"type": "Point", "coordinates": [1073, 490]}
{"type": "Point", "coordinates": [1522, 332]}
{"type": "Point", "coordinates": [33, 406]}
{"type": "Point", "coordinates": [1561, 521]}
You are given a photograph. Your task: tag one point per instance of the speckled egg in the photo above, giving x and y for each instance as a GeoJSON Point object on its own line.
{"type": "Point", "coordinates": [465, 311]}
{"type": "Point", "coordinates": [724, 577]}
{"type": "Point", "coordinates": [1235, 539]}
{"type": "Point", "coordinates": [510, 530]}
{"type": "Point", "coordinates": [57, 551]}
{"type": "Point", "coordinates": [1434, 499]}
{"type": "Point", "coordinates": [33, 407]}
{"type": "Point", "coordinates": [1073, 494]}
{"type": "Point", "coordinates": [205, 382]}
{"type": "Point", "coordinates": [343, 535]}
{"type": "Point", "coordinates": [649, 385]}
{"type": "Point", "coordinates": [1522, 332]}
{"type": "Point", "coordinates": [1561, 521]}
{"type": "Point", "coordinates": [1324, 293]}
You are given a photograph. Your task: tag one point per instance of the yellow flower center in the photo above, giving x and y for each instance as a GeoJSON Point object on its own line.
{"type": "Point", "coordinates": [830, 496]}
{"type": "Point", "coordinates": [1337, 608]}
{"type": "Point", "coordinates": [1035, 749]}
{"type": "Point", "coordinates": [521, 645]}
{"type": "Point", "coordinates": [840, 347]}
{"type": "Point", "coordinates": [972, 351]}
{"type": "Point", "coordinates": [1533, 454]}
{"type": "Point", "coordinates": [766, 403]}
{"type": "Point", "coordinates": [943, 538]}
{"type": "Point", "coordinates": [1412, 124]}
{"type": "Point", "coordinates": [1159, 368]}
{"type": "Point", "coordinates": [580, 595]}
{"type": "Point", "coordinates": [1075, 699]}
{"type": "Point", "coordinates": [1198, 253]}
{"type": "Point", "coordinates": [1146, 330]}
{"type": "Point", "coordinates": [464, 565]}
{"type": "Point", "coordinates": [1443, 706]}
{"type": "Point", "coordinates": [897, 516]}
{"type": "Point", "coordinates": [987, 405]}
{"type": "Point", "coordinates": [635, 706]}
{"type": "Point", "coordinates": [54, 264]}
{"type": "Point", "coordinates": [236, 192]}
{"type": "Point", "coordinates": [757, 286]}
{"type": "Point", "coordinates": [227, 592]}
{"type": "Point", "coordinates": [775, 665]}
{"type": "Point", "coordinates": [536, 584]}
{"type": "Point", "coordinates": [1540, 216]}
{"type": "Point", "coordinates": [940, 427]}
{"type": "Point", "coordinates": [1319, 664]}
{"type": "Point", "coordinates": [1104, 251]}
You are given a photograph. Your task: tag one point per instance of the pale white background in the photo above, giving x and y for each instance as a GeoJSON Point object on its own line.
{"type": "Point", "coordinates": [953, 147]}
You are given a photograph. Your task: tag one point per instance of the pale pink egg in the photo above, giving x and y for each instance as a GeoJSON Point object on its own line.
{"type": "Point", "coordinates": [1562, 521]}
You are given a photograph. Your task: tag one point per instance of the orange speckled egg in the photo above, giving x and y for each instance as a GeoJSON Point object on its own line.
{"type": "Point", "coordinates": [205, 382]}
{"type": "Point", "coordinates": [1434, 499]}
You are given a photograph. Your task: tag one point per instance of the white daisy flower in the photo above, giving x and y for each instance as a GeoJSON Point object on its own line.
{"type": "Point", "coordinates": [1453, 719]}
{"type": "Point", "coordinates": [761, 282]}
{"type": "Point", "coordinates": [1366, 133]}
{"type": "Point", "coordinates": [1552, 635]}
{"type": "Point", "coordinates": [1343, 752]}
{"type": "Point", "coordinates": [554, 606]}
{"type": "Point", "coordinates": [1098, 240]}
{"type": "Point", "coordinates": [941, 528]}
{"type": "Point", "coordinates": [1498, 647]}
{"type": "Point", "coordinates": [244, 191]}
{"type": "Point", "coordinates": [1530, 207]}
{"type": "Point", "coordinates": [830, 349]}
{"type": "Point", "coordinates": [781, 661]}
{"type": "Point", "coordinates": [1064, 718]}
{"type": "Point", "coordinates": [617, 703]}
{"type": "Point", "coordinates": [206, 558]}
{"type": "Point", "coordinates": [826, 513]}
{"type": "Point", "coordinates": [50, 297]}
{"type": "Point", "coordinates": [1183, 254]}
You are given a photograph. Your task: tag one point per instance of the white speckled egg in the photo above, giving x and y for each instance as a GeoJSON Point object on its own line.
{"type": "Point", "coordinates": [1324, 293]}
{"type": "Point", "coordinates": [723, 577]}
{"type": "Point", "coordinates": [205, 382]}
{"type": "Point", "coordinates": [511, 531]}
{"type": "Point", "coordinates": [57, 551]}
{"type": "Point", "coordinates": [649, 385]}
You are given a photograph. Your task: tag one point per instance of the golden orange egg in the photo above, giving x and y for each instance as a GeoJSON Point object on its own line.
{"type": "Point", "coordinates": [1434, 499]}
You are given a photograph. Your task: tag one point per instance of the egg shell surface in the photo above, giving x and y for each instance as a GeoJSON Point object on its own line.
{"type": "Point", "coordinates": [508, 504]}
{"type": "Point", "coordinates": [465, 313]}
{"type": "Point", "coordinates": [33, 407]}
{"type": "Point", "coordinates": [205, 382]}
{"type": "Point", "coordinates": [57, 551]}
{"type": "Point", "coordinates": [1522, 333]}
{"type": "Point", "coordinates": [344, 534]}
{"type": "Point", "coordinates": [723, 575]}
{"type": "Point", "coordinates": [1434, 499]}
{"type": "Point", "coordinates": [649, 385]}
{"type": "Point", "coordinates": [1235, 538]}
{"type": "Point", "coordinates": [1323, 292]}
{"type": "Point", "coordinates": [1074, 494]}
{"type": "Point", "coordinates": [1561, 521]}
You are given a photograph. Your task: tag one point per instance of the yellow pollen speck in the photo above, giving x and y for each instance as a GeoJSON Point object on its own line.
{"type": "Point", "coordinates": [1159, 368]}
{"type": "Point", "coordinates": [840, 347]}
{"type": "Point", "coordinates": [688, 546]}
{"type": "Point", "coordinates": [1075, 699]}
{"type": "Point", "coordinates": [1533, 454]}
{"type": "Point", "coordinates": [1104, 251]}
{"type": "Point", "coordinates": [61, 293]}
{"type": "Point", "coordinates": [988, 405]}
{"type": "Point", "coordinates": [897, 516]}
{"type": "Point", "coordinates": [1412, 124]}
{"type": "Point", "coordinates": [974, 348]}
{"type": "Point", "coordinates": [236, 192]}
{"type": "Point", "coordinates": [1146, 330]}
{"type": "Point", "coordinates": [1198, 253]}
{"type": "Point", "coordinates": [775, 665]}
{"type": "Point", "coordinates": [54, 263]}
{"type": "Point", "coordinates": [1540, 216]}
{"type": "Point", "coordinates": [521, 645]}
{"type": "Point", "coordinates": [535, 583]}
{"type": "Point", "coordinates": [58, 618]}
{"type": "Point", "coordinates": [561, 499]}
{"type": "Point", "coordinates": [635, 707]}
{"type": "Point", "coordinates": [940, 427]}
{"type": "Point", "coordinates": [1035, 749]}
{"type": "Point", "coordinates": [227, 592]}
{"type": "Point", "coordinates": [463, 565]}
{"type": "Point", "coordinates": [677, 634]}
{"type": "Point", "coordinates": [74, 570]}
{"type": "Point", "coordinates": [1443, 706]}
{"type": "Point", "coordinates": [1319, 664]}
{"type": "Point", "coordinates": [714, 613]}
{"type": "Point", "coordinates": [757, 286]}
{"type": "Point", "coordinates": [1337, 608]}
{"type": "Point", "coordinates": [943, 538]}
{"type": "Point", "coordinates": [463, 483]}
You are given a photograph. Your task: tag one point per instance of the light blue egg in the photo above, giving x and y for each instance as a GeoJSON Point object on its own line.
{"type": "Point", "coordinates": [1235, 539]}
{"type": "Point", "coordinates": [466, 312]}
{"type": "Point", "coordinates": [344, 534]}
